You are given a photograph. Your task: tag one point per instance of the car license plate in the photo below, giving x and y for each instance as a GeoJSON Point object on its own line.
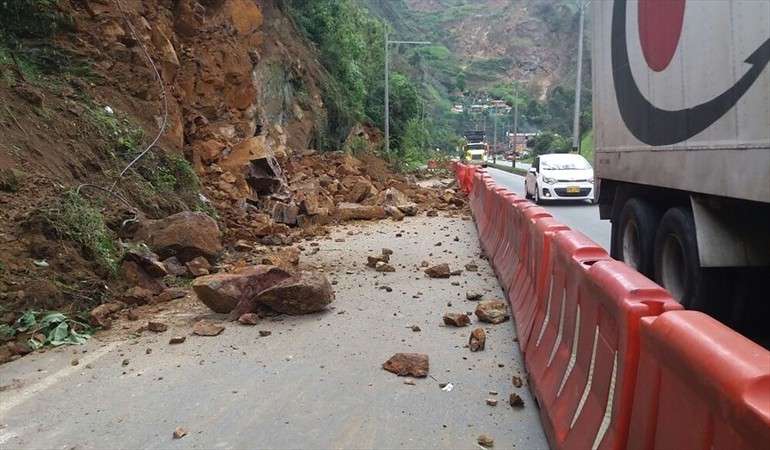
{"type": "Point", "coordinates": [573, 190]}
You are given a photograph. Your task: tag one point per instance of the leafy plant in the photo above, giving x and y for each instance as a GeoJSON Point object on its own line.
{"type": "Point", "coordinates": [57, 328]}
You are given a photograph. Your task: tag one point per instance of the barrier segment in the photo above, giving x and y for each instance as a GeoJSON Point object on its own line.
{"type": "Point", "coordinates": [700, 385]}
{"type": "Point", "coordinates": [584, 354]}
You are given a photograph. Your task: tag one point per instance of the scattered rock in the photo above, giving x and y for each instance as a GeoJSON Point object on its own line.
{"type": "Point", "coordinates": [223, 292]}
{"type": "Point", "coordinates": [354, 211]}
{"type": "Point", "coordinates": [179, 433]}
{"type": "Point", "coordinates": [439, 271]}
{"type": "Point", "coordinates": [100, 316]}
{"type": "Point", "coordinates": [432, 213]}
{"type": "Point", "coordinates": [415, 328]}
{"type": "Point", "coordinates": [456, 319]}
{"type": "Point", "coordinates": [198, 266]}
{"type": "Point", "coordinates": [169, 294]}
{"type": "Point", "coordinates": [471, 267]}
{"type": "Point", "coordinates": [132, 315]}
{"type": "Point", "coordinates": [137, 296]}
{"type": "Point", "coordinates": [174, 266]}
{"type": "Point", "coordinates": [394, 213]}
{"type": "Point", "coordinates": [517, 381]}
{"type": "Point", "coordinates": [485, 441]}
{"type": "Point", "coordinates": [248, 319]}
{"type": "Point", "coordinates": [383, 267]}
{"type": "Point", "coordinates": [473, 296]}
{"type": "Point", "coordinates": [387, 251]}
{"type": "Point", "coordinates": [492, 401]}
{"type": "Point", "coordinates": [408, 364]}
{"type": "Point", "coordinates": [492, 311]}
{"type": "Point", "coordinates": [478, 340]}
{"type": "Point", "coordinates": [516, 401]}
{"type": "Point", "coordinates": [265, 333]}
{"type": "Point", "coordinates": [147, 260]}
{"type": "Point", "coordinates": [410, 382]}
{"type": "Point", "coordinates": [456, 273]}
{"type": "Point", "coordinates": [207, 328]}
{"type": "Point", "coordinates": [177, 340]}
{"type": "Point", "coordinates": [185, 235]}
{"type": "Point", "coordinates": [157, 327]}
{"type": "Point", "coordinates": [302, 293]}
{"type": "Point", "coordinates": [372, 261]}
{"type": "Point", "coordinates": [20, 348]}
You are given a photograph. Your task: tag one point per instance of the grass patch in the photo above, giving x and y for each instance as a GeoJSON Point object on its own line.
{"type": "Point", "coordinates": [515, 171]}
{"type": "Point", "coordinates": [587, 146]}
{"type": "Point", "coordinates": [74, 219]}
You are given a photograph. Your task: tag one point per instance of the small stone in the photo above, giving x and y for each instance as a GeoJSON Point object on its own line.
{"type": "Point", "coordinates": [517, 381]}
{"type": "Point", "coordinates": [179, 433]}
{"type": "Point", "coordinates": [132, 315]}
{"type": "Point", "coordinates": [387, 251]}
{"type": "Point", "coordinates": [147, 351]}
{"type": "Point", "coordinates": [415, 328]}
{"type": "Point", "coordinates": [248, 319]}
{"type": "Point", "coordinates": [439, 271]}
{"type": "Point", "coordinates": [492, 311]}
{"type": "Point", "coordinates": [383, 267]}
{"type": "Point", "coordinates": [456, 319]}
{"type": "Point", "coordinates": [408, 364]}
{"type": "Point", "coordinates": [516, 401]}
{"type": "Point", "coordinates": [473, 296]}
{"type": "Point", "coordinates": [471, 267]}
{"type": "Point", "coordinates": [198, 266]}
{"type": "Point", "coordinates": [265, 333]}
{"type": "Point", "coordinates": [478, 340]}
{"type": "Point", "coordinates": [207, 328]}
{"type": "Point", "coordinates": [125, 362]}
{"type": "Point", "coordinates": [410, 382]}
{"type": "Point", "coordinates": [74, 362]}
{"type": "Point", "coordinates": [177, 340]}
{"type": "Point", "coordinates": [157, 327]}
{"type": "Point", "coordinates": [485, 441]}
{"type": "Point", "coordinates": [492, 401]}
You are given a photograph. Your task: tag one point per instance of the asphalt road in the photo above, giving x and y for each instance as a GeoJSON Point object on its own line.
{"type": "Point", "coordinates": [315, 382]}
{"type": "Point", "coordinates": [581, 216]}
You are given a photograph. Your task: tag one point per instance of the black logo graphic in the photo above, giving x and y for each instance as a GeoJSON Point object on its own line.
{"type": "Point", "coordinates": [655, 126]}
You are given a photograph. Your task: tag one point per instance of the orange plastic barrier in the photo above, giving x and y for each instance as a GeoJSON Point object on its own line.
{"type": "Point", "coordinates": [583, 353]}
{"type": "Point", "coordinates": [700, 386]}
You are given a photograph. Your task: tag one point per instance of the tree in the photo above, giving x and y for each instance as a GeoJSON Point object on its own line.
{"type": "Point", "coordinates": [548, 142]}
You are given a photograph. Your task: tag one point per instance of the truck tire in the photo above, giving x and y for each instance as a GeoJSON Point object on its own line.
{"type": "Point", "coordinates": [677, 264]}
{"type": "Point", "coordinates": [637, 228]}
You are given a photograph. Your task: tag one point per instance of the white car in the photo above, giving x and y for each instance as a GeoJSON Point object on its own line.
{"type": "Point", "coordinates": [560, 176]}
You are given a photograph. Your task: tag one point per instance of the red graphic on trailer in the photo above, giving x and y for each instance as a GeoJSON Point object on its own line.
{"type": "Point", "coordinates": [660, 27]}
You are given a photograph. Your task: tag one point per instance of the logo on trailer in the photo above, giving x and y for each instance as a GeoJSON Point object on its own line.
{"type": "Point", "coordinates": [660, 29]}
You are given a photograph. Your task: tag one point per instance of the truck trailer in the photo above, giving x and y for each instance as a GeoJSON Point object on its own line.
{"type": "Point", "coordinates": [681, 93]}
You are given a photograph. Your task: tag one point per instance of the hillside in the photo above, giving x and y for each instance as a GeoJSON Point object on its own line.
{"type": "Point", "coordinates": [494, 41]}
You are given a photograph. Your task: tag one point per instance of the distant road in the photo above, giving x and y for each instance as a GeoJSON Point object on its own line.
{"type": "Point", "coordinates": [580, 216]}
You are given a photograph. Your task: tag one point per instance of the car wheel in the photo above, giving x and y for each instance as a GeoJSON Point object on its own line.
{"type": "Point", "coordinates": [637, 228]}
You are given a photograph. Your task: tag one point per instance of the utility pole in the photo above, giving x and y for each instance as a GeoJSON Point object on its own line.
{"type": "Point", "coordinates": [515, 122]}
{"type": "Point", "coordinates": [388, 42]}
{"type": "Point", "coordinates": [582, 5]}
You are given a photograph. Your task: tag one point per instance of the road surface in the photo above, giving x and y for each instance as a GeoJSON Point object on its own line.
{"type": "Point", "coordinates": [315, 382]}
{"type": "Point", "coordinates": [581, 216]}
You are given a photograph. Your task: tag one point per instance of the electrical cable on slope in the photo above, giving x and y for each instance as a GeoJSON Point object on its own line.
{"type": "Point", "coordinates": [164, 122]}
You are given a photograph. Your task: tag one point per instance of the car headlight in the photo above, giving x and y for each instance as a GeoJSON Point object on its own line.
{"type": "Point", "coordinates": [549, 180]}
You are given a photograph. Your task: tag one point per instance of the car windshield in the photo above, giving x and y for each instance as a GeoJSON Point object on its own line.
{"type": "Point", "coordinates": [477, 146]}
{"type": "Point", "coordinates": [565, 163]}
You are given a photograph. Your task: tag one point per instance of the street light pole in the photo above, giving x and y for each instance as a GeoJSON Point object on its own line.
{"type": "Point", "coordinates": [515, 123]}
{"type": "Point", "coordinates": [388, 42]}
{"type": "Point", "coordinates": [582, 5]}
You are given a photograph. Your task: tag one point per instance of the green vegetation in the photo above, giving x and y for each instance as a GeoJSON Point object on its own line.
{"type": "Point", "coordinates": [48, 328]}
{"type": "Point", "coordinates": [587, 146]}
{"type": "Point", "coordinates": [550, 143]}
{"type": "Point", "coordinates": [73, 218]}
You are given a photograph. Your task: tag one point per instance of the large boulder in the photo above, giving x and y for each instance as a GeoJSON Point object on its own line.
{"type": "Point", "coordinates": [303, 293]}
{"type": "Point", "coordinates": [185, 235]}
{"type": "Point", "coordinates": [358, 189]}
{"type": "Point", "coordinates": [392, 197]}
{"type": "Point", "coordinates": [354, 211]}
{"type": "Point", "coordinates": [223, 292]}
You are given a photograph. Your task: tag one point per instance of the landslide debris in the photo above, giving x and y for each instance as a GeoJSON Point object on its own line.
{"type": "Point", "coordinates": [408, 364]}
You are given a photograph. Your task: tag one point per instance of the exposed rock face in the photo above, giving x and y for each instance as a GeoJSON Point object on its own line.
{"type": "Point", "coordinates": [408, 364]}
{"type": "Point", "coordinates": [225, 291]}
{"type": "Point", "coordinates": [492, 311]}
{"type": "Point", "coordinates": [303, 293]}
{"type": "Point", "coordinates": [185, 235]}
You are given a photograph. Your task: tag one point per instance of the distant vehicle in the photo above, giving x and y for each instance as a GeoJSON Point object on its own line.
{"type": "Point", "coordinates": [476, 150]}
{"type": "Point", "coordinates": [560, 176]}
{"type": "Point", "coordinates": [681, 114]}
